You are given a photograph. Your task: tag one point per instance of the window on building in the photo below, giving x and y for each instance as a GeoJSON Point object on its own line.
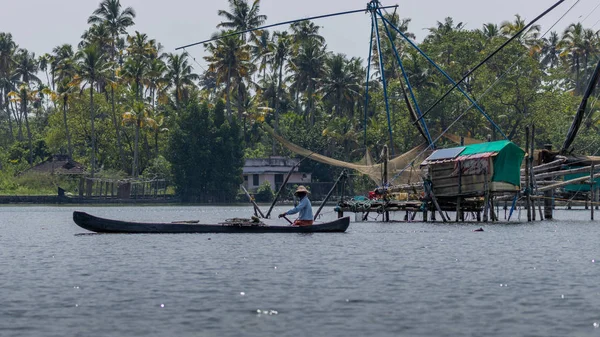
{"type": "Point", "coordinates": [255, 180]}
{"type": "Point", "coordinates": [278, 179]}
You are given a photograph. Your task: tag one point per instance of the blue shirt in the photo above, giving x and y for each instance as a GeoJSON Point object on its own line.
{"type": "Point", "coordinates": [305, 209]}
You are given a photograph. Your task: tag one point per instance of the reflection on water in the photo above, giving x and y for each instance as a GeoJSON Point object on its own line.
{"type": "Point", "coordinates": [400, 279]}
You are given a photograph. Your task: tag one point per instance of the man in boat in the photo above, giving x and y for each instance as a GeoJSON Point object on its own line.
{"type": "Point", "coordinates": [305, 218]}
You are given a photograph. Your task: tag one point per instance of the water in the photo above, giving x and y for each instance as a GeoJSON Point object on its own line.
{"type": "Point", "coordinates": [377, 279]}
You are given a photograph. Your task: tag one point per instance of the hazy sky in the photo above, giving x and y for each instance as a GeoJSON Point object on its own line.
{"type": "Point", "coordinates": [40, 25]}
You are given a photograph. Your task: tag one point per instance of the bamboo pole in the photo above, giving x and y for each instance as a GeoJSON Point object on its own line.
{"type": "Point", "coordinates": [256, 208]}
{"type": "Point", "coordinates": [532, 179]}
{"type": "Point", "coordinates": [282, 187]}
{"type": "Point", "coordinates": [486, 199]}
{"type": "Point", "coordinates": [568, 182]}
{"type": "Point", "coordinates": [343, 175]}
{"type": "Point", "coordinates": [592, 192]}
{"type": "Point", "coordinates": [584, 169]}
{"type": "Point", "coordinates": [549, 166]}
{"type": "Point", "coordinates": [527, 176]}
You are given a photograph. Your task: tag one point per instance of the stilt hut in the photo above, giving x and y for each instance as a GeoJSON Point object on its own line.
{"type": "Point", "coordinates": [474, 170]}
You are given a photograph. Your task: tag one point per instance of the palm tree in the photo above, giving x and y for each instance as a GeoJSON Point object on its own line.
{"type": "Point", "coordinates": [179, 76]}
{"type": "Point", "coordinates": [93, 66]}
{"type": "Point", "coordinates": [137, 66]}
{"type": "Point", "coordinates": [139, 116]}
{"type": "Point", "coordinates": [7, 51]}
{"type": "Point", "coordinates": [577, 44]}
{"type": "Point", "coordinates": [340, 84]}
{"type": "Point", "coordinates": [550, 51]}
{"type": "Point", "coordinates": [305, 31]}
{"type": "Point", "coordinates": [229, 59]}
{"type": "Point", "coordinates": [310, 66]}
{"type": "Point", "coordinates": [442, 28]}
{"type": "Point", "coordinates": [490, 31]}
{"type": "Point", "coordinates": [242, 17]}
{"type": "Point", "coordinates": [282, 42]}
{"type": "Point", "coordinates": [262, 51]}
{"type": "Point", "coordinates": [116, 20]}
{"type": "Point", "coordinates": [26, 68]}
{"type": "Point", "coordinates": [64, 71]}
{"type": "Point", "coordinates": [528, 38]}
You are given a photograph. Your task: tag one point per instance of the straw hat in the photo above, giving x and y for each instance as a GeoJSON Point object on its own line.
{"type": "Point", "coordinates": [301, 189]}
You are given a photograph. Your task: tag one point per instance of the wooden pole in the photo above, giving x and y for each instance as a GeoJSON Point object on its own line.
{"type": "Point", "coordinates": [486, 193]}
{"type": "Point", "coordinates": [592, 192]}
{"type": "Point", "coordinates": [458, 206]}
{"type": "Point", "coordinates": [386, 158]}
{"type": "Point", "coordinates": [282, 187]}
{"type": "Point", "coordinates": [527, 176]}
{"type": "Point", "coordinates": [252, 201]}
{"type": "Point", "coordinates": [532, 179]}
{"type": "Point", "coordinates": [343, 175]}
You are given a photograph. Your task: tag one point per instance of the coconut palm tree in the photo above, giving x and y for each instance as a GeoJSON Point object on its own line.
{"type": "Point", "coordinates": [179, 76]}
{"type": "Point", "coordinates": [7, 64]}
{"type": "Point", "coordinates": [111, 14]}
{"type": "Point", "coordinates": [93, 66]}
{"type": "Point", "coordinates": [229, 59]}
{"type": "Point", "coordinates": [310, 66]}
{"type": "Point", "coordinates": [490, 31]}
{"type": "Point", "coordinates": [64, 70]}
{"type": "Point", "coordinates": [305, 31]}
{"type": "Point", "coordinates": [25, 73]}
{"type": "Point", "coordinates": [116, 19]}
{"type": "Point", "coordinates": [261, 50]}
{"type": "Point", "coordinates": [283, 48]}
{"type": "Point", "coordinates": [139, 116]}
{"type": "Point", "coordinates": [340, 83]}
{"type": "Point", "coordinates": [528, 38]}
{"type": "Point", "coordinates": [550, 51]}
{"type": "Point", "coordinates": [242, 17]}
{"type": "Point", "coordinates": [577, 44]}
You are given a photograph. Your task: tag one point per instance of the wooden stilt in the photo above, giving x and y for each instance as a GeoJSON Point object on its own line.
{"type": "Point", "coordinates": [592, 192]}
{"type": "Point", "coordinates": [532, 186]}
{"type": "Point", "coordinates": [437, 206]}
{"type": "Point", "coordinates": [527, 176]}
{"type": "Point", "coordinates": [486, 198]}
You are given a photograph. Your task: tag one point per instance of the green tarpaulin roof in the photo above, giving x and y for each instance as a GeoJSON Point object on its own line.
{"type": "Point", "coordinates": [487, 147]}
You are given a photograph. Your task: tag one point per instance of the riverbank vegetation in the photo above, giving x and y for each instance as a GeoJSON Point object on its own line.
{"type": "Point", "coordinates": [118, 102]}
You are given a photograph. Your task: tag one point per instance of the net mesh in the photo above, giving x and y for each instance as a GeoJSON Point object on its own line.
{"type": "Point", "coordinates": [403, 169]}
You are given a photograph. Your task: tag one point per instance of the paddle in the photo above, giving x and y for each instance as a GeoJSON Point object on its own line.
{"type": "Point", "coordinates": [288, 220]}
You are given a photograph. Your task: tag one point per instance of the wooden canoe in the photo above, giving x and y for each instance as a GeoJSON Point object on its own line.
{"type": "Point", "coordinates": [100, 225]}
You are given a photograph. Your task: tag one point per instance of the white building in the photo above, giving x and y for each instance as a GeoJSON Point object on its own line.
{"type": "Point", "coordinates": [274, 170]}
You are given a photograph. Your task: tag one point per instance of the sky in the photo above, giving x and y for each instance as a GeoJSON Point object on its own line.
{"type": "Point", "coordinates": [176, 23]}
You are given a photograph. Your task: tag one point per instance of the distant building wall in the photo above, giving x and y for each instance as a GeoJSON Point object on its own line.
{"type": "Point", "coordinates": [274, 170]}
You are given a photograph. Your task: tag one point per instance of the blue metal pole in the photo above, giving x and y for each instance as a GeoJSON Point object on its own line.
{"type": "Point", "coordinates": [445, 75]}
{"type": "Point", "coordinates": [385, 93]}
{"type": "Point", "coordinates": [368, 78]}
{"type": "Point", "coordinates": [412, 94]}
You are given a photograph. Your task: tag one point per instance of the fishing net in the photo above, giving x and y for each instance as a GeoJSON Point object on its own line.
{"type": "Point", "coordinates": [403, 169]}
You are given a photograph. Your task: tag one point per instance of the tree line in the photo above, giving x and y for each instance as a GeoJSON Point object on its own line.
{"type": "Point", "coordinates": [119, 103]}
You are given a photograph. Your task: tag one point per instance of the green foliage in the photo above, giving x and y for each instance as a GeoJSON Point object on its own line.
{"type": "Point", "coordinates": [264, 193]}
{"type": "Point", "coordinates": [36, 184]}
{"type": "Point", "coordinates": [160, 168]}
{"type": "Point", "coordinates": [19, 152]}
{"type": "Point", "coordinates": [311, 95]}
{"type": "Point", "coordinates": [207, 160]}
